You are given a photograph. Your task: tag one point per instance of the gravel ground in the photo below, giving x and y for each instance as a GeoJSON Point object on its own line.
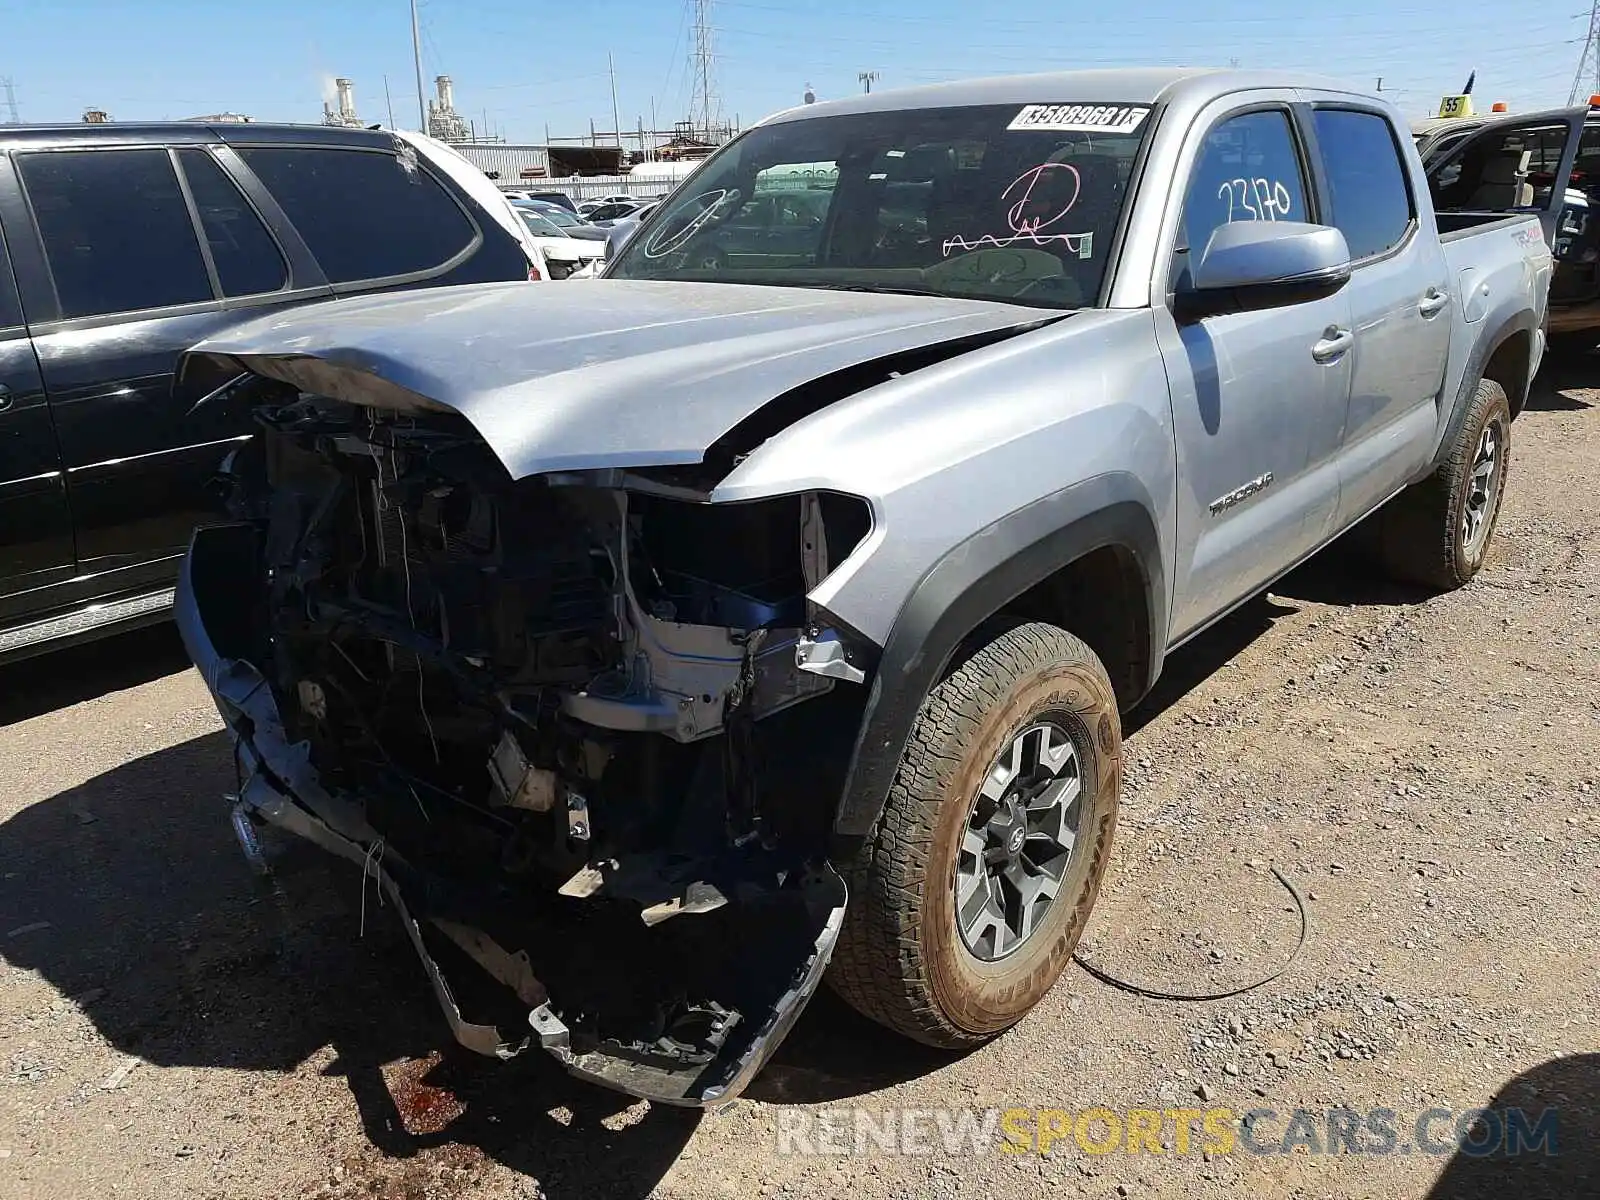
{"type": "Point", "coordinates": [1427, 773]}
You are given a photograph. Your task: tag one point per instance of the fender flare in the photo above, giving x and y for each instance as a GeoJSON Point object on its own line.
{"type": "Point", "coordinates": [970, 583]}
{"type": "Point", "coordinates": [1519, 322]}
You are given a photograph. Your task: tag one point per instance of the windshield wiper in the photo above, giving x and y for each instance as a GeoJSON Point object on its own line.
{"type": "Point", "coordinates": [898, 290]}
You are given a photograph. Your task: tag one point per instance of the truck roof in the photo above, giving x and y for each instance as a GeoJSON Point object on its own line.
{"type": "Point", "coordinates": [1141, 85]}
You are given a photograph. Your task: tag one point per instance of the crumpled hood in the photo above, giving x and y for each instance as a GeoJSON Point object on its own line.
{"type": "Point", "coordinates": [612, 373]}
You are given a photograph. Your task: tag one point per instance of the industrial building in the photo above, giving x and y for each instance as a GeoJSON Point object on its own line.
{"type": "Point", "coordinates": [342, 111]}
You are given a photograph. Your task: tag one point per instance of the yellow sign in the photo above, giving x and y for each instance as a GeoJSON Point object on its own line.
{"type": "Point", "coordinates": [1456, 106]}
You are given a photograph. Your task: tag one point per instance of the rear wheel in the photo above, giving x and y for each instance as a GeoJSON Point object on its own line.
{"type": "Point", "coordinates": [1437, 532]}
{"type": "Point", "coordinates": [969, 900]}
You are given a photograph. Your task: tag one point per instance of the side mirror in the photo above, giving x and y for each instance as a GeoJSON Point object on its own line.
{"type": "Point", "coordinates": [1251, 265]}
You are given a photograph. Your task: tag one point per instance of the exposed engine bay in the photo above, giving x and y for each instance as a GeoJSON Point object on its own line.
{"type": "Point", "coordinates": [584, 728]}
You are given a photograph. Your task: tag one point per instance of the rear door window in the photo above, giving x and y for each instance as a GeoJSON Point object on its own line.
{"type": "Point", "coordinates": [116, 230]}
{"type": "Point", "coordinates": [1371, 202]}
{"type": "Point", "coordinates": [364, 214]}
{"type": "Point", "coordinates": [247, 259]}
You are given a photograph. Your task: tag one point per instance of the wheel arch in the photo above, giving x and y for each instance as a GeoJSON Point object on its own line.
{"type": "Point", "coordinates": [1505, 356]}
{"type": "Point", "coordinates": [1040, 562]}
{"type": "Point", "coordinates": [1510, 362]}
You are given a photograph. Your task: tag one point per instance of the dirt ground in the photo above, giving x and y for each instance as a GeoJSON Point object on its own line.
{"type": "Point", "coordinates": [1426, 771]}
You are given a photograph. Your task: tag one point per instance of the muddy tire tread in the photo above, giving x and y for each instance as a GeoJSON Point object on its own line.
{"type": "Point", "coordinates": [1417, 534]}
{"type": "Point", "coordinates": [878, 967]}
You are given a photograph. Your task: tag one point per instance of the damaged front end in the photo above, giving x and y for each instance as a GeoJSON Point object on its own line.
{"type": "Point", "coordinates": [585, 731]}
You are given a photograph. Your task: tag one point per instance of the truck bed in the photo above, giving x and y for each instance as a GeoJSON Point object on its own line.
{"type": "Point", "coordinates": [1493, 260]}
{"type": "Point", "coordinates": [1456, 225]}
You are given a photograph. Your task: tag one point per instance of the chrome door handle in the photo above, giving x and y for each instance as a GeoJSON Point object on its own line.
{"type": "Point", "coordinates": [1433, 302]}
{"type": "Point", "coordinates": [1335, 341]}
{"type": "Point", "coordinates": [5, 397]}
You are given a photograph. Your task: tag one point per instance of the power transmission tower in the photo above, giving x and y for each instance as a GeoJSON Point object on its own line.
{"type": "Point", "coordinates": [11, 101]}
{"type": "Point", "coordinates": [868, 78]}
{"type": "Point", "coordinates": [703, 59]}
{"type": "Point", "coordinates": [1589, 63]}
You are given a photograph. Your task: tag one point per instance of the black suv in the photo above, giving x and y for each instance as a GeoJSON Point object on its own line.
{"type": "Point", "coordinates": [122, 246]}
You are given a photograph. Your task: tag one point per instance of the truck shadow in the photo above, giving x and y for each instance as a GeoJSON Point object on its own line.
{"type": "Point", "coordinates": [1196, 661]}
{"type": "Point", "coordinates": [1341, 576]}
{"type": "Point", "coordinates": [1559, 381]}
{"type": "Point", "coordinates": [128, 895]}
{"type": "Point", "coordinates": [65, 677]}
{"type": "Point", "coordinates": [1561, 1098]}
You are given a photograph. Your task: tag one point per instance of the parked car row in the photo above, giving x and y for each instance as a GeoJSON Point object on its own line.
{"type": "Point", "coordinates": [561, 199]}
{"type": "Point", "coordinates": [123, 245]}
{"type": "Point", "coordinates": [604, 208]}
{"type": "Point", "coordinates": [605, 212]}
{"type": "Point", "coordinates": [570, 248]}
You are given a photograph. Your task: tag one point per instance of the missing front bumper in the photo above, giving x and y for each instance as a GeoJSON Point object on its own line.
{"type": "Point", "coordinates": [213, 611]}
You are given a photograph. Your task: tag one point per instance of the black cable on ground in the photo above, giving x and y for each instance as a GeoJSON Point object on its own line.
{"type": "Point", "coordinates": [1156, 994]}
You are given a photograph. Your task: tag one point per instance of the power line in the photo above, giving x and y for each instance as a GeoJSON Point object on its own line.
{"type": "Point", "coordinates": [1030, 27]}
{"type": "Point", "coordinates": [1027, 48]}
{"type": "Point", "coordinates": [672, 57]}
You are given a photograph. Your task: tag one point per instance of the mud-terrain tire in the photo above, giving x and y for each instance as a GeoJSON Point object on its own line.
{"type": "Point", "coordinates": [903, 959]}
{"type": "Point", "coordinates": [1437, 532]}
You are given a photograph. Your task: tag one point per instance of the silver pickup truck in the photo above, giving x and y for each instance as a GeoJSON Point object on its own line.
{"type": "Point", "coordinates": [766, 609]}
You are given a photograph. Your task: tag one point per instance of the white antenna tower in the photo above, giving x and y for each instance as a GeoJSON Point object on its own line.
{"type": "Point", "coordinates": [1589, 63]}
{"type": "Point", "coordinates": [11, 101]}
{"type": "Point", "coordinates": [704, 60]}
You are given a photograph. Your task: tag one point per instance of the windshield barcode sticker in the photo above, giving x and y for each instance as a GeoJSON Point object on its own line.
{"type": "Point", "coordinates": [1081, 118]}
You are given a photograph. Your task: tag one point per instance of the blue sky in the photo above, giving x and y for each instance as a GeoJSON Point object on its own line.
{"type": "Point", "coordinates": [523, 64]}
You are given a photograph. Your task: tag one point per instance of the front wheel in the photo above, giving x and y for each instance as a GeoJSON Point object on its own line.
{"type": "Point", "coordinates": [1437, 532]}
{"type": "Point", "coordinates": [970, 898]}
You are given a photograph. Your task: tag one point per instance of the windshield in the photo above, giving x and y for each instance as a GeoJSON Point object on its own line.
{"type": "Point", "coordinates": [538, 224]}
{"type": "Point", "coordinates": [989, 202]}
{"type": "Point", "coordinates": [556, 214]}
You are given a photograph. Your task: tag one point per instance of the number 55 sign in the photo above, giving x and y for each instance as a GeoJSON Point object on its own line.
{"type": "Point", "coordinates": [1455, 106]}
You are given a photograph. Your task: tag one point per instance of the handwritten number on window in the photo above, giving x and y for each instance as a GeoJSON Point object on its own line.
{"type": "Point", "coordinates": [1256, 199]}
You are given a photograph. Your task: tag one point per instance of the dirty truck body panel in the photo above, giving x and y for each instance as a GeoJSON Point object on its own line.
{"type": "Point", "coordinates": [594, 626]}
